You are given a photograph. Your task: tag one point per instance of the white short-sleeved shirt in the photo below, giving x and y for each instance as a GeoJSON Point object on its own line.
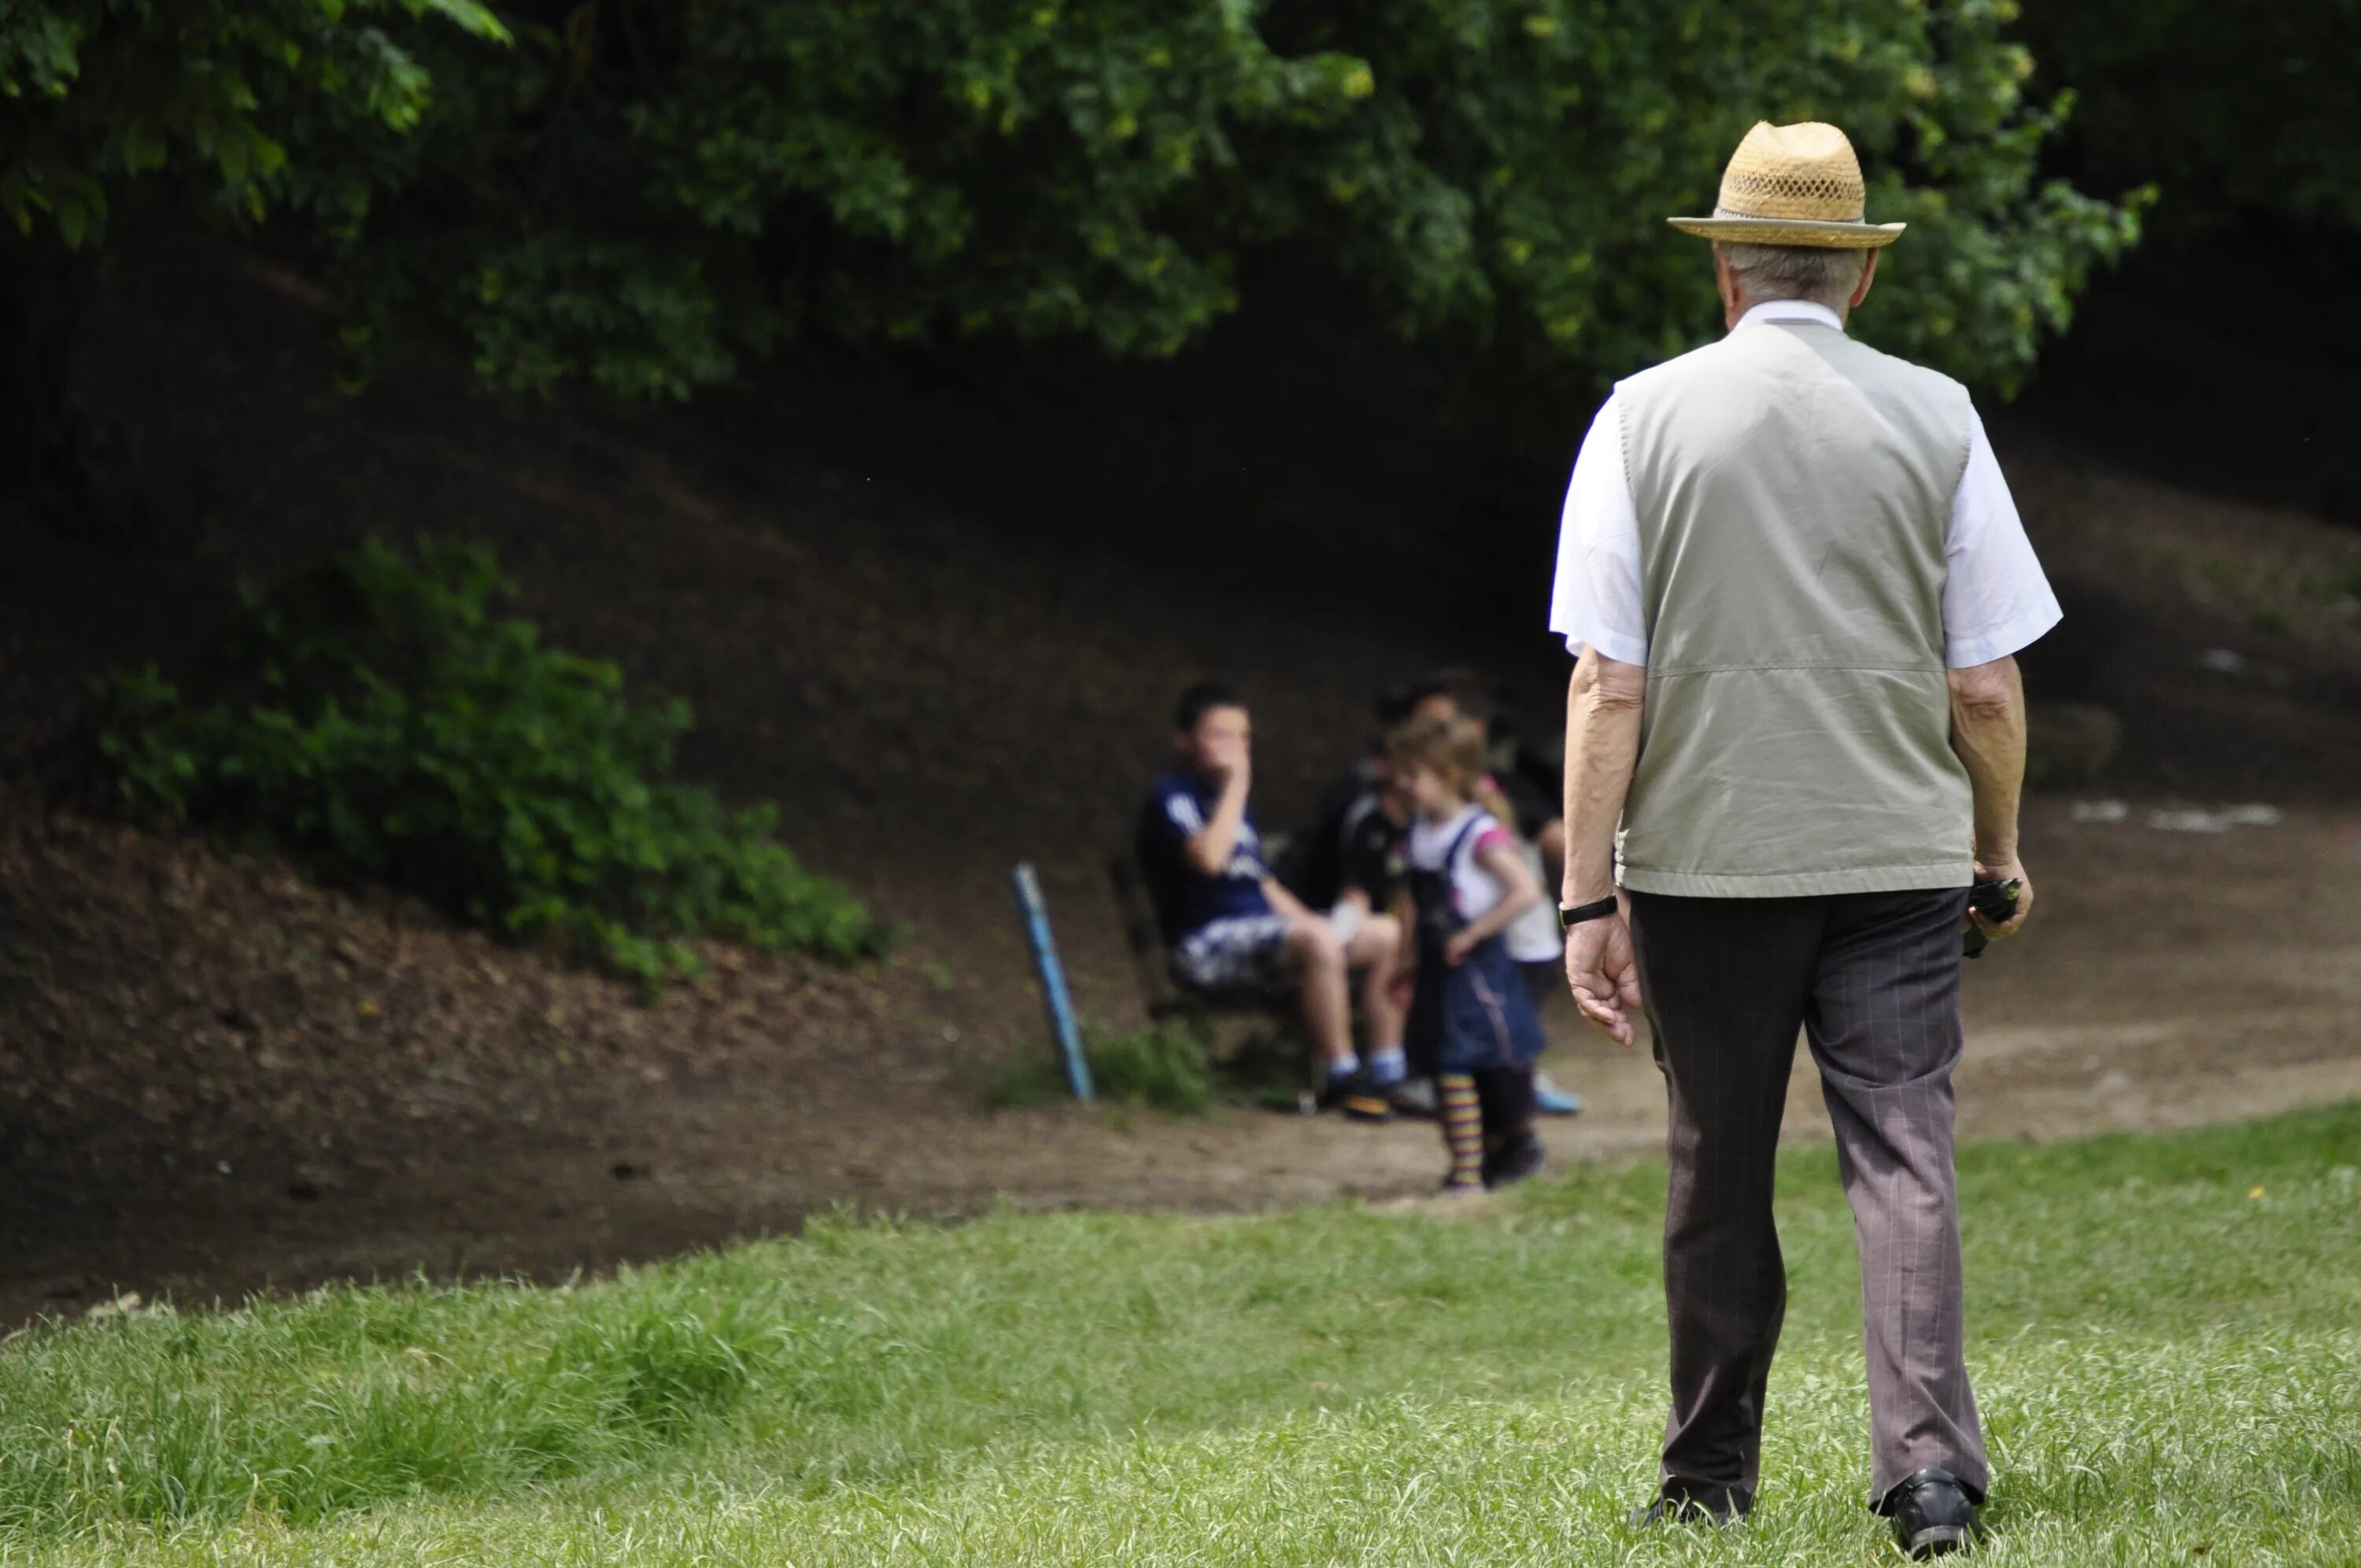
{"type": "Point", "coordinates": [1996, 599]}
{"type": "Point", "coordinates": [1474, 891]}
{"type": "Point", "coordinates": [1533, 937]}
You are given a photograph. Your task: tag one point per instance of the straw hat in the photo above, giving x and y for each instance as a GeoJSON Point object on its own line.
{"type": "Point", "coordinates": [1793, 185]}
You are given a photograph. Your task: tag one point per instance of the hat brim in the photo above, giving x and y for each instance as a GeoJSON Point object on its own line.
{"type": "Point", "coordinates": [1792, 231]}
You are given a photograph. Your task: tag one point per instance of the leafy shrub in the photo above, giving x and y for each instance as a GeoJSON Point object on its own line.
{"type": "Point", "coordinates": [379, 720]}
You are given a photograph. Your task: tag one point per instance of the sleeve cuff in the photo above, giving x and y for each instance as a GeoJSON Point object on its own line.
{"type": "Point", "coordinates": [2017, 636]}
{"type": "Point", "coordinates": [1611, 645]}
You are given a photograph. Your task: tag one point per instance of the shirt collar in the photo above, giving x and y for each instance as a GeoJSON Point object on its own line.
{"type": "Point", "coordinates": [1792, 311]}
{"type": "Point", "coordinates": [1449, 826]}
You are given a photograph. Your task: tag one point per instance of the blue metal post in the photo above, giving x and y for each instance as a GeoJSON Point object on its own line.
{"type": "Point", "coordinates": [1053, 979]}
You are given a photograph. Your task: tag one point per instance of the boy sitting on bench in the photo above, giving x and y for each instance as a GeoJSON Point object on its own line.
{"type": "Point", "coordinates": [1229, 926]}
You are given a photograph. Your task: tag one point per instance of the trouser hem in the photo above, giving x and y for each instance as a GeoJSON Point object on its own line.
{"type": "Point", "coordinates": [1714, 1497]}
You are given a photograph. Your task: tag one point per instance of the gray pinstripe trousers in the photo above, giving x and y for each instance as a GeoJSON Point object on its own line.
{"type": "Point", "coordinates": [1874, 982]}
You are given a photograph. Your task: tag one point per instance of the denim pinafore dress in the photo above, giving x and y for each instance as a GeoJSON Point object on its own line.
{"type": "Point", "coordinates": [1477, 1015]}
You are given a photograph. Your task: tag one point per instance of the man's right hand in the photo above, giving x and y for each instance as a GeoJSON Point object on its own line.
{"type": "Point", "coordinates": [1603, 972]}
{"type": "Point", "coordinates": [2002, 871]}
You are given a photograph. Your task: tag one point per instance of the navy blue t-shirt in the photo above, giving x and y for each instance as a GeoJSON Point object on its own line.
{"type": "Point", "coordinates": [1187, 899]}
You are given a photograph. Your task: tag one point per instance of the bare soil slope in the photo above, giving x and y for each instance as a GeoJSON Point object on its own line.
{"type": "Point", "coordinates": [942, 648]}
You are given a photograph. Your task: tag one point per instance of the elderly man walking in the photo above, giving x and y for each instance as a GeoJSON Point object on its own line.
{"type": "Point", "coordinates": [1793, 577]}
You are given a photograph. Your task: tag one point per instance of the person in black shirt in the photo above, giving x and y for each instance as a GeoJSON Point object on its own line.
{"type": "Point", "coordinates": [1348, 860]}
{"type": "Point", "coordinates": [1350, 850]}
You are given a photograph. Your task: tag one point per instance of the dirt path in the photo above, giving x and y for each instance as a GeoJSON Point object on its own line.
{"type": "Point", "coordinates": [2096, 1020]}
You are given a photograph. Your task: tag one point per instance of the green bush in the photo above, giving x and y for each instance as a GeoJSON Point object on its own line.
{"type": "Point", "coordinates": [377, 719]}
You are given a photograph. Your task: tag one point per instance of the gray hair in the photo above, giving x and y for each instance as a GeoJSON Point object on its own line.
{"type": "Point", "coordinates": [1818, 273]}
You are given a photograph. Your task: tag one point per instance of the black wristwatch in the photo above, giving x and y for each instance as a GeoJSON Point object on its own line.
{"type": "Point", "coordinates": [1571, 916]}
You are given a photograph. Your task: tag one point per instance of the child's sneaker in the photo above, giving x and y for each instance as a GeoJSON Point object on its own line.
{"type": "Point", "coordinates": [1354, 1095]}
{"type": "Point", "coordinates": [1413, 1097]}
{"type": "Point", "coordinates": [1520, 1157]}
{"type": "Point", "coordinates": [1552, 1100]}
{"type": "Point", "coordinates": [1455, 1189]}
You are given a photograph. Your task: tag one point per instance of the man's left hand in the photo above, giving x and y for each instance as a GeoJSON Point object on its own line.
{"type": "Point", "coordinates": [1603, 972]}
{"type": "Point", "coordinates": [2004, 870]}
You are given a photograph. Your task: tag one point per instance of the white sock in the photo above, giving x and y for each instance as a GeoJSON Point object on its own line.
{"type": "Point", "coordinates": [1345, 1066]}
{"type": "Point", "coordinates": [1387, 1064]}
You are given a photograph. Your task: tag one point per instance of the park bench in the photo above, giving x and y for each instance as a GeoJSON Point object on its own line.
{"type": "Point", "coordinates": [1165, 996]}
{"type": "Point", "coordinates": [1272, 1014]}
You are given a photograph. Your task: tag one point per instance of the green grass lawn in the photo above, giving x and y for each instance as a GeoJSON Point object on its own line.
{"type": "Point", "coordinates": [2165, 1335]}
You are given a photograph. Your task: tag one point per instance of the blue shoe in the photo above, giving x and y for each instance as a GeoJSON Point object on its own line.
{"type": "Point", "coordinates": [1552, 1100]}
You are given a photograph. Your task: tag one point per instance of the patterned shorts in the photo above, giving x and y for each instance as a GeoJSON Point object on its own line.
{"type": "Point", "coordinates": [1247, 953]}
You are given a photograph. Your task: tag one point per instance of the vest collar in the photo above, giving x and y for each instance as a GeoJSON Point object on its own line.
{"type": "Point", "coordinates": [1790, 311]}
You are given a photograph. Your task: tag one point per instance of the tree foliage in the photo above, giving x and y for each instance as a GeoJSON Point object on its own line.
{"type": "Point", "coordinates": [653, 196]}
{"type": "Point", "coordinates": [114, 110]}
{"type": "Point", "coordinates": [2231, 111]}
{"type": "Point", "coordinates": [234, 104]}
{"type": "Point", "coordinates": [706, 180]}
{"type": "Point", "coordinates": [650, 196]}
{"type": "Point", "coordinates": [1523, 156]}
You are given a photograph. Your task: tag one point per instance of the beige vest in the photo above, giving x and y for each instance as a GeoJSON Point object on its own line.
{"type": "Point", "coordinates": [1794, 491]}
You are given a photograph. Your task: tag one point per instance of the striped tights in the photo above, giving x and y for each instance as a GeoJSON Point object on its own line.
{"type": "Point", "coordinates": [1462, 1127]}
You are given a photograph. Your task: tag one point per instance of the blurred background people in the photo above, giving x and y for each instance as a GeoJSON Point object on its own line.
{"type": "Point", "coordinates": [1229, 924]}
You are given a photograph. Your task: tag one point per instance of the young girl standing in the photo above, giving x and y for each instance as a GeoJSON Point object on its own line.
{"type": "Point", "coordinates": [1472, 1023]}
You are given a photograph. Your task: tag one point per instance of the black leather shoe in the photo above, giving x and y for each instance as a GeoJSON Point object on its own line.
{"type": "Point", "coordinates": [1687, 1510]}
{"type": "Point", "coordinates": [1932, 1514]}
